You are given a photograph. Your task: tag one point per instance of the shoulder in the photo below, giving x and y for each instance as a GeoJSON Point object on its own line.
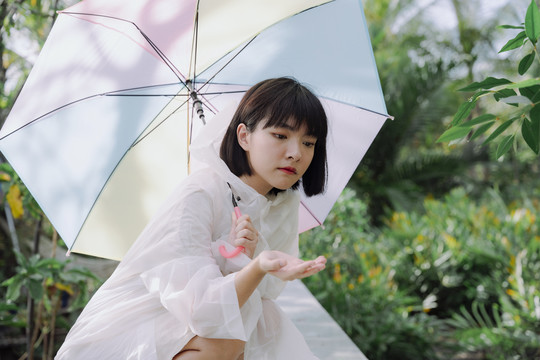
{"type": "Point", "coordinates": [205, 181]}
{"type": "Point", "coordinates": [200, 188]}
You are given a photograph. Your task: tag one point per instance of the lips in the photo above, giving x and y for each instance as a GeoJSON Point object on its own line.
{"type": "Point", "coordinates": [288, 170]}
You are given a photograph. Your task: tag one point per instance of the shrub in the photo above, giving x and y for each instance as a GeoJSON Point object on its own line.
{"type": "Point", "coordinates": [462, 275]}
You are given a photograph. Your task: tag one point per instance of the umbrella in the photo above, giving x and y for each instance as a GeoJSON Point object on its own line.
{"type": "Point", "coordinates": [100, 132]}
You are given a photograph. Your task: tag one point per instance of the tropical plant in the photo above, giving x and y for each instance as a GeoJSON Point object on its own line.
{"type": "Point", "coordinates": [418, 61]}
{"type": "Point", "coordinates": [523, 122]}
{"type": "Point", "coordinates": [59, 291]}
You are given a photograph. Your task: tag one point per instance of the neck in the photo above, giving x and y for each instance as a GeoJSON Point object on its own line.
{"type": "Point", "coordinates": [262, 189]}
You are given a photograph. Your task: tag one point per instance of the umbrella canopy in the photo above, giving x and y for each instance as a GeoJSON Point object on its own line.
{"type": "Point", "coordinates": [100, 132]}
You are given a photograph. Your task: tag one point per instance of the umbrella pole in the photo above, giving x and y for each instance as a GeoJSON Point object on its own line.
{"type": "Point", "coordinates": [197, 103]}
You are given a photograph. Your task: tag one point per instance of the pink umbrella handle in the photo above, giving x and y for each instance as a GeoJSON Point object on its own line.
{"type": "Point", "coordinates": [239, 249]}
{"type": "Point", "coordinates": [231, 254]}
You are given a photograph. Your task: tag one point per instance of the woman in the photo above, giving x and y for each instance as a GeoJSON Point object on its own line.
{"type": "Point", "coordinates": [174, 296]}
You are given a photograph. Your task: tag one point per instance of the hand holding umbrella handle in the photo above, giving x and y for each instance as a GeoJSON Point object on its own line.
{"type": "Point", "coordinates": [236, 251]}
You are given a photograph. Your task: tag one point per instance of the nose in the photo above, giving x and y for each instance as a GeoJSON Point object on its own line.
{"type": "Point", "coordinates": [294, 151]}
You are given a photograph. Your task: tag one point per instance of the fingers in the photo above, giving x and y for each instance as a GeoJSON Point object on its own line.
{"type": "Point", "coordinates": [244, 234]}
{"type": "Point", "coordinates": [245, 229]}
{"type": "Point", "coordinates": [304, 269]}
{"type": "Point", "coordinates": [312, 270]}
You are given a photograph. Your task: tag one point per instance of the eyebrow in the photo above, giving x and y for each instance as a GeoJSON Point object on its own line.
{"type": "Point", "coordinates": [287, 126]}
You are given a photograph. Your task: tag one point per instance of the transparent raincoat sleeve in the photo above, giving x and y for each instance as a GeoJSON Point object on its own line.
{"type": "Point", "coordinates": [189, 282]}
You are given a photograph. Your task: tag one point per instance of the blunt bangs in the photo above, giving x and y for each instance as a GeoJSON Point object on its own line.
{"type": "Point", "coordinates": [296, 108]}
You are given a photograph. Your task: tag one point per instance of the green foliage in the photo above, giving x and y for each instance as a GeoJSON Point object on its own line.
{"type": "Point", "coordinates": [524, 123]}
{"type": "Point", "coordinates": [50, 283]}
{"type": "Point", "coordinates": [461, 271]}
{"type": "Point", "coordinates": [359, 288]}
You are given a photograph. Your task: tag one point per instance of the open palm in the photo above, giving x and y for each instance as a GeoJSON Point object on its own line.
{"type": "Point", "coordinates": [287, 267]}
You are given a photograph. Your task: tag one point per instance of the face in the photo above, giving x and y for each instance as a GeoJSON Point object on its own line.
{"type": "Point", "coordinates": [278, 156]}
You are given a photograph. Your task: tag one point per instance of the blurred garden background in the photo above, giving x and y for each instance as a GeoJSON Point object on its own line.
{"type": "Point", "coordinates": [433, 248]}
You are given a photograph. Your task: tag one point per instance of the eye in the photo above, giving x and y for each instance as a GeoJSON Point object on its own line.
{"type": "Point", "coordinates": [309, 144]}
{"type": "Point", "coordinates": [279, 136]}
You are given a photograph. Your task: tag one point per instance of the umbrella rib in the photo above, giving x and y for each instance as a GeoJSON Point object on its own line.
{"type": "Point", "coordinates": [358, 107]}
{"type": "Point", "coordinates": [112, 93]}
{"type": "Point", "coordinates": [194, 44]}
{"type": "Point", "coordinates": [254, 37]}
{"type": "Point", "coordinates": [112, 172]}
{"type": "Point", "coordinates": [228, 62]}
{"type": "Point", "coordinates": [160, 53]}
{"type": "Point", "coordinates": [310, 213]}
{"type": "Point", "coordinates": [159, 124]}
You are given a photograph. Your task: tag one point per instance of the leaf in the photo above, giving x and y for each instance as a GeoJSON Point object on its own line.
{"type": "Point", "coordinates": [516, 100]}
{"type": "Point", "coordinates": [498, 131]}
{"type": "Point", "coordinates": [478, 120]}
{"type": "Point", "coordinates": [532, 22]}
{"type": "Point", "coordinates": [531, 129]}
{"type": "Point", "coordinates": [504, 93]}
{"type": "Point", "coordinates": [526, 63]}
{"type": "Point", "coordinates": [515, 42]}
{"type": "Point", "coordinates": [511, 27]}
{"type": "Point", "coordinates": [532, 92]}
{"type": "Point", "coordinates": [531, 135]}
{"type": "Point", "coordinates": [487, 83]}
{"type": "Point", "coordinates": [455, 132]}
{"type": "Point", "coordinates": [36, 289]}
{"type": "Point", "coordinates": [14, 287]}
{"type": "Point", "coordinates": [482, 129]}
{"type": "Point", "coordinates": [535, 114]}
{"type": "Point", "coordinates": [21, 259]}
{"type": "Point", "coordinates": [463, 111]}
{"type": "Point", "coordinates": [504, 146]}
{"type": "Point", "coordinates": [524, 83]}
{"type": "Point", "coordinates": [46, 263]}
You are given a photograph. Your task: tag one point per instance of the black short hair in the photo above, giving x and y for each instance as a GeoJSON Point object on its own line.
{"type": "Point", "coordinates": [278, 102]}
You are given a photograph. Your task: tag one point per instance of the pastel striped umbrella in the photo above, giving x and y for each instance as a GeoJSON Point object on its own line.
{"type": "Point", "coordinates": [100, 132]}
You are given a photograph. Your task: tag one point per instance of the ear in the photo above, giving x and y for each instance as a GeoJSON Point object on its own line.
{"type": "Point", "coordinates": [242, 134]}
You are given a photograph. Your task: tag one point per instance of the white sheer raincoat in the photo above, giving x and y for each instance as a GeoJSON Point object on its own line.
{"type": "Point", "coordinates": [173, 284]}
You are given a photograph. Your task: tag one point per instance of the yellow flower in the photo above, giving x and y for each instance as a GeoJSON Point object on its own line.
{"type": "Point", "coordinates": [512, 293]}
{"type": "Point", "coordinates": [512, 261]}
{"type": "Point", "coordinates": [350, 286]}
{"type": "Point", "coordinates": [360, 278]}
{"type": "Point", "coordinates": [375, 271]}
{"type": "Point", "coordinates": [337, 274]}
{"type": "Point", "coordinates": [5, 177]}
{"type": "Point", "coordinates": [14, 199]}
{"type": "Point", "coordinates": [450, 241]}
{"type": "Point", "coordinates": [66, 288]}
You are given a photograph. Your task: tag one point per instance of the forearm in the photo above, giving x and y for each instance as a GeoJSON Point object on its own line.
{"type": "Point", "coordinates": [247, 280]}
